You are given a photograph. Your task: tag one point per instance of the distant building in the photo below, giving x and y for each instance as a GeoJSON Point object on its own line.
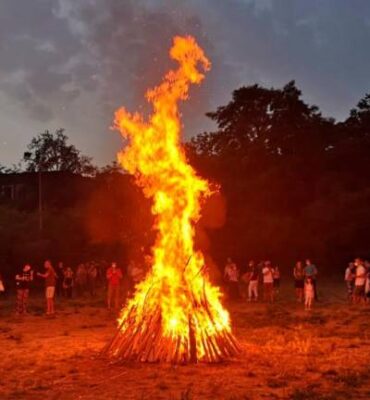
{"type": "Point", "coordinates": [59, 189]}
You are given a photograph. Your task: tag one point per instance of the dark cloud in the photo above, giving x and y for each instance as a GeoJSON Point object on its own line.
{"type": "Point", "coordinates": [130, 41]}
{"type": "Point", "coordinates": [54, 54]}
{"type": "Point", "coordinates": [321, 44]}
{"type": "Point", "coordinates": [36, 47]}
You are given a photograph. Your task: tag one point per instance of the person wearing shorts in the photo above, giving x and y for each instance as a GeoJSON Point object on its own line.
{"type": "Point", "coordinates": [253, 282]}
{"type": "Point", "coordinates": [50, 281]}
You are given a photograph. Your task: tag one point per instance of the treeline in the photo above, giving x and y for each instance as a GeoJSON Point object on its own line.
{"type": "Point", "coordinates": [294, 184]}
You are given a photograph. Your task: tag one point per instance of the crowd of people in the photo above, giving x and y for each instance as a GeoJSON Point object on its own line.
{"type": "Point", "coordinates": [65, 282]}
{"type": "Point", "coordinates": [357, 278]}
{"type": "Point", "coordinates": [86, 278]}
{"type": "Point", "coordinates": [246, 284]}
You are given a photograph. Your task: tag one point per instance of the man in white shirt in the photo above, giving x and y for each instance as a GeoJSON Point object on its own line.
{"type": "Point", "coordinates": [360, 279]}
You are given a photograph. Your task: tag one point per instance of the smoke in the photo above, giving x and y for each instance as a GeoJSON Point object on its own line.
{"type": "Point", "coordinates": [36, 47]}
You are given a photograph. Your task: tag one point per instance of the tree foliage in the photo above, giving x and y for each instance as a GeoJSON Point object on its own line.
{"type": "Point", "coordinates": [295, 183]}
{"type": "Point", "coordinates": [51, 152]}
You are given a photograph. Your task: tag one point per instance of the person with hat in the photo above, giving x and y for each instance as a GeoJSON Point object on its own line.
{"type": "Point", "coordinates": [23, 282]}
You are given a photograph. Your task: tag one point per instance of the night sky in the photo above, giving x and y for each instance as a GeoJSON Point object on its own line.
{"type": "Point", "coordinates": [70, 63]}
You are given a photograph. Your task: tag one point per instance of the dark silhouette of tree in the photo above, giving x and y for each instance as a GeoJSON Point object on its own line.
{"type": "Point", "coordinates": [295, 183]}
{"type": "Point", "coordinates": [51, 152]}
{"type": "Point", "coordinates": [358, 123]}
{"type": "Point", "coordinates": [112, 168]}
{"type": "Point", "coordinates": [259, 121]}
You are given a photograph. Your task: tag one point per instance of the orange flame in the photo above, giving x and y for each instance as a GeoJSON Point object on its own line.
{"type": "Point", "coordinates": [175, 301]}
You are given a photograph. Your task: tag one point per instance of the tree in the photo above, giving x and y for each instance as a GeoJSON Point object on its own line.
{"type": "Point", "coordinates": [51, 152]}
{"type": "Point", "coordinates": [359, 119]}
{"type": "Point", "coordinates": [259, 121]}
{"type": "Point", "coordinates": [295, 183]}
{"type": "Point", "coordinates": [112, 168]}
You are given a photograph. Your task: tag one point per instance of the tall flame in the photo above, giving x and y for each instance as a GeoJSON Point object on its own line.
{"type": "Point", "coordinates": [176, 314]}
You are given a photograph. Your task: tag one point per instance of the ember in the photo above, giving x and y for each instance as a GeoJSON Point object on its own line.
{"type": "Point", "coordinates": [176, 314]}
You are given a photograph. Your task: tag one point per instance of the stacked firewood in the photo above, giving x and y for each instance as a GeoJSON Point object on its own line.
{"type": "Point", "coordinates": [140, 337]}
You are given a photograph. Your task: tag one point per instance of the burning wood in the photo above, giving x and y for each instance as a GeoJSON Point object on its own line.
{"type": "Point", "coordinates": [176, 314]}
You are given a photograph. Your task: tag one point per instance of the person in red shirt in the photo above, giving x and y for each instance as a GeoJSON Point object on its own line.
{"type": "Point", "coordinates": [114, 277]}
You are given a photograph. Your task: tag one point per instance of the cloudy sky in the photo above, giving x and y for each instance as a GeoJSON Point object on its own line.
{"type": "Point", "coordinates": [70, 63]}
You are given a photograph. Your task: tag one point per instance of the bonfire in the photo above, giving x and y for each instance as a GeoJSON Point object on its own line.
{"type": "Point", "coordinates": [176, 313]}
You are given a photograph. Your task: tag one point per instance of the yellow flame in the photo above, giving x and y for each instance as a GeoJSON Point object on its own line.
{"type": "Point", "coordinates": [176, 285]}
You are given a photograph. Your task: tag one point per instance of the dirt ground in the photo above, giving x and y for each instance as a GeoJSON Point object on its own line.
{"type": "Point", "coordinates": [288, 353]}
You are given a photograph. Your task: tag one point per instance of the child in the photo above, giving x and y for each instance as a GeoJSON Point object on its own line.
{"type": "Point", "coordinates": [309, 293]}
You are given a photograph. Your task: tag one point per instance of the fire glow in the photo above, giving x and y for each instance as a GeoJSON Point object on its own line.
{"type": "Point", "coordinates": [176, 314]}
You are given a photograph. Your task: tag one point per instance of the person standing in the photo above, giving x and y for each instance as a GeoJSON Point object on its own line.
{"type": "Point", "coordinates": [349, 278]}
{"type": "Point", "coordinates": [298, 274]}
{"type": "Point", "coordinates": [68, 282]}
{"type": "Point", "coordinates": [310, 271]}
{"type": "Point", "coordinates": [309, 293]}
{"type": "Point", "coordinates": [50, 277]}
{"type": "Point", "coordinates": [268, 282]}
{"type": "Point", "coordinates": [360, 280]}
{"type": "Point", "coordinates": [23, 282]}
{"type": "Point", "coordinates": [253, 281]}
{"type": "Point", "coordinates": [114, 277]}
{"type": "Point", "coordinates": [231, 275]}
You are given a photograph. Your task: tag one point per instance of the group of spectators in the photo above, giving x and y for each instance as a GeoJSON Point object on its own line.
{"type": "Point", "coordinates": [66, 282]}
{"type": "Point", "coordinates": [357, 278]}
{"type": "Point", "coordinates": [246, 284]}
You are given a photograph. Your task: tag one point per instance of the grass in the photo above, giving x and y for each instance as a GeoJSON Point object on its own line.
{"type": "Point", "coordinates": [288, 353]}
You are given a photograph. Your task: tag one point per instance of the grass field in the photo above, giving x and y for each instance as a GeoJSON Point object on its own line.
{"type": "Point", "coordinates": [288, 353]}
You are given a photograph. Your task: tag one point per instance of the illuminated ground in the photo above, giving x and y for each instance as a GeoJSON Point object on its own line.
{"type": "Point", "coordinates": [289, 354]}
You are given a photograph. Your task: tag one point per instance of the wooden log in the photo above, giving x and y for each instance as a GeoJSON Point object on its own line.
{"type": "Point", "coordinates": [192, 341]}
